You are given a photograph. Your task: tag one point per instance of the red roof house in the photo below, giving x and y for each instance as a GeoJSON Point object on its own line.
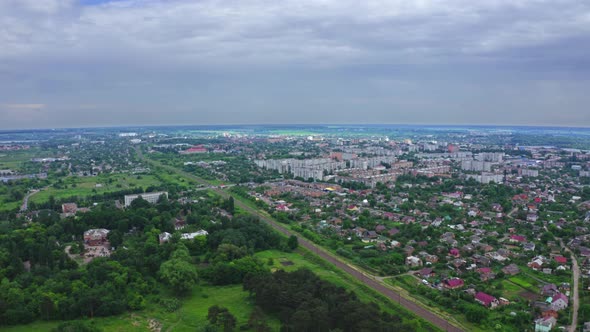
{"type": "Point", "coordinates": [454, 252]}
{"type": "Point", "coordinates": [486, 300]}
{"type": "Point", "coordinates": [453, 283]}
{"type": "Point", "coordinates": [517, 238]}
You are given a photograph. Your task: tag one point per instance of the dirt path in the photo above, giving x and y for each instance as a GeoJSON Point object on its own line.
{"type": "Point", "coordinates": [576, 288]}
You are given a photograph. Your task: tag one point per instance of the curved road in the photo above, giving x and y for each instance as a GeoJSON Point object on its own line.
{"type": "Point", "coordinates": [360, 276]}
{"type": "Point", "coordinates": [24, 207]}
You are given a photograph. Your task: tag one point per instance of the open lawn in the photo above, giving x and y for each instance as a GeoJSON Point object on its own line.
{"type": "Point", "coordinates": [192, 316]}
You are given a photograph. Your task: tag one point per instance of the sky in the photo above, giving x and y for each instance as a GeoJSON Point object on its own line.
{"type": "Point", "coordinates": [78, 63]}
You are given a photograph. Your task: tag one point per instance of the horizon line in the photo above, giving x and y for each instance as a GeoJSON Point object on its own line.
{"type": "Point", "coordinates": [296, 125]}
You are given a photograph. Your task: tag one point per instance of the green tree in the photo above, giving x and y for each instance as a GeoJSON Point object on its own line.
{"type": "Point", "coordinates": [475, 313]}
{"type": "Point", "coordinates": [178, 272]}
{"type": "Point", "coordinates": [221, 317]}
{"type": "Point", "coordinates": [293, 242]}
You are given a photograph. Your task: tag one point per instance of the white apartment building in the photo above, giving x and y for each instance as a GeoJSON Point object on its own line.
{"type": "Point", "coordinates": [150, 197]}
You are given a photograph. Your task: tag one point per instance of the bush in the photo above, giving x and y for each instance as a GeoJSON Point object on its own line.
{"type": "Point", "coordinates": [344, 253]}
{"type": "Point", "coordinates": [170, 305]}
{"type": "Point", "coordinates": [76, 326]}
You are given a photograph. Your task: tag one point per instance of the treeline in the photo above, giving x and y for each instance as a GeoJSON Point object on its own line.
{"type": "Point", "coordinates": [39, 280]}
{"type": "Point", "coordinates": [304, 302]}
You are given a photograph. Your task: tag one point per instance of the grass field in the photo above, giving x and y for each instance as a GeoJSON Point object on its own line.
{"type": "Point", "coordinates": [190, 317]}
{"type": "Point", "coordinates": [294, 261]}
{"type": "Point", "coordinates": [8, 206]}
{"type": "Point", "coordinates": [86, 186]}
{"type": "Point", "coordinates": [511, 290]}
{"type": "Point", "coordinates": [525, 282]}
{"type": "Point", "coordinates": [326, 271]}
{"type": "Point", "coordinates": [15, 159]}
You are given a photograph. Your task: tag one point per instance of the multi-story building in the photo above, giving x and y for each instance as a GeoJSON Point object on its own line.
{"type": "Point", "coordinates": [495, 157]}
{"type": "Point", "coordinates": [150, 197]}
{"type": "Point", "coordinates": [528, 172]}
{"type": "Point", "coordinates": [476, 165]}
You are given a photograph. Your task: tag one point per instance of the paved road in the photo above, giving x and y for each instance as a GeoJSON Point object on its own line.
{"type": "Point", "coordinates": [25, 204]}
{"type": "Point", "coordinates": [576, 295]}
{"type": "Point", "coordinates": [363, 277]}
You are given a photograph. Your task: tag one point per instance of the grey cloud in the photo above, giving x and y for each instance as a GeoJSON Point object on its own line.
{"type": "Point", "coordinates": [303, 61]}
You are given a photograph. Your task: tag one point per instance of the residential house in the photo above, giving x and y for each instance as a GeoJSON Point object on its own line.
{"type": "Point", "coordinates": [69, 208]}
{"type": "Point", "coordinates": [413, 261]}
{"type": "Point", "coordinates": [511, 269]}
{"type": "Point", "coordinates": [549, 290]}
{"type": "Point", "coordinates": [486, 274]}
{"type": "Point", "coordinates": [395, 244]}
{"type": "Point", "coordinates": [393, 231]}
{"type": "Point", "coordinates": [164, 237]}
{"type": "Point", "coordinates": [408, 219]}
{"type": "Point", "coordinates": [496, 256]}
{"type": "Point", "coordinates": [179, 224]}
{"type": "Point", "coordinates": [481, 260]}
{"type": "Point", "coordinates": [486, 300]}
{"type": "Point", "coordinates": [560, 260]}
{"type": "Point", "coordinates": [370, 236]}
{"type": "Point", "coordinates": [545, 324]}
{"type": "Point", "coordinates": [453, 283]}
{"type": "Point", "coordinates": [537, 263]}
{"type": "Point", "coordinates": [458, 262]}
{"type": "Point", "coordinates": [96, 237]}
{"type": "Point", "coordinates": [559, 302]}
{"type": "Point", "coordinates": [517, 239]}
{"type": "Point", "coordinates": [455, 252]}
{"type": "Point", "coordinates": [431, 258]}
{"type": "Point", "coordinates": [426, 272]}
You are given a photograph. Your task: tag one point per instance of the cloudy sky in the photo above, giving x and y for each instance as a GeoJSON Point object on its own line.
{"type": "Point", "coordinates": [66, 63]}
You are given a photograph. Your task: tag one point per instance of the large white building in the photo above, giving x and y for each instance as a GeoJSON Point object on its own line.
{"type": "Point", "coordinates": [150, 197]}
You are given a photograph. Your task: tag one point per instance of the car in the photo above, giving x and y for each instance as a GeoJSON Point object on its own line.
{"type": "Point", "coordinates": [425, 282]}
